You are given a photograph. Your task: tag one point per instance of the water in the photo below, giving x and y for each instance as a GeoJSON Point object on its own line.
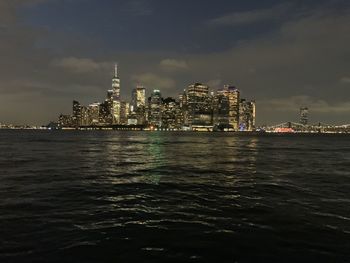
{"type": "Point", "coordinates": [173, 197]}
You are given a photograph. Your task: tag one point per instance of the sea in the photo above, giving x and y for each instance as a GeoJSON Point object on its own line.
{"type": "Point", "coordinates": [128, 196]}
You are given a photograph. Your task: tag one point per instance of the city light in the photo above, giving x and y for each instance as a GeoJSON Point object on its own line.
{"type": "Point", "coordinates": [196, 109]}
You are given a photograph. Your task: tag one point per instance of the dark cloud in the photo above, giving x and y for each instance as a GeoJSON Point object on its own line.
{"type": "Point", "coordinates": [154, 81]}
{"type": "Point", "coordinates": [250, 17]}
{"type": "Point", "coordinates": [80, 65]}
{"type": "Point", "coordinates": [172, 65]}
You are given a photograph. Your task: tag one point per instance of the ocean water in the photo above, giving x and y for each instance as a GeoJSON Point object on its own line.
{"type": "Point", "coordinates": [109, 196]}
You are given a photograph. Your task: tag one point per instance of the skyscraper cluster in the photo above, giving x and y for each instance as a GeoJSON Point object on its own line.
{"type": "Point", "coordinates": [197, 108]}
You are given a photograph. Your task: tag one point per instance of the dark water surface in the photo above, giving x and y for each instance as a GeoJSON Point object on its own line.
{"type": "Point", "coordinates": [173, 197]}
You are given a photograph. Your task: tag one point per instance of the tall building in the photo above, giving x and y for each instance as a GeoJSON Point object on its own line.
{"type": "Point", "coordinates": [304, 115]}
{"type": "Point", "coordinates": [221, 111]}
{"type": "Point", "coordinates": [115, 97]}
{"type": "Point", "coordinates": [65, 121]}
{"type": "Point", "coordinates": [199, 106]}
{"type": "Point", "coordinates": [233, 96]}
{"type": "Point", "coordinates": [246, 115]}
{"type": "Point", "coordinates": [84, 116]}
{"type": "Point", "coordinates": [124, 112]}
{"type": "Point", "coordinates": [76, 118]}
{"type": "Point", "coordinates": [138, 97]}
{"type": "Point", "coordinates": [155, 109]}
{"type": "Point", "coordinates": [169, 113]}
{"type": "Point", "coordinates": [138, 104]}
{"type": "Point", "coordinates": [116, 84]}
{"type": "Point", "coordinates": [104, 113]}
{"type": "Point", "coordinates": [94, 113]}
{"type": "Point", "coordinates": [115, 111]}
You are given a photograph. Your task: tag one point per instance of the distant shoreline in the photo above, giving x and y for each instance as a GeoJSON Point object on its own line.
{"type": "Point", "coordinates": [178, 131]}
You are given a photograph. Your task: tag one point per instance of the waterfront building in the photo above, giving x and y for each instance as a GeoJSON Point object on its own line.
{"type": "Point", "coordinates": [65, 121]}
{"type": "Point", "coordinates": [104, 113]}
{"type": "Point", "coordinates": [155, 109]}
{"type": "Point", "coordinates": [93, 113]}
{"type": "Point", "coordinates": [84, 116]}
{"type": "Point", "coordinates": [76, 117]}
{"type": "Point", "coordinates": [115, 111]}
{"type": "Point", "coordinates": [233, 95]}
{"type": "Point", "coordinates": [221, 111]}
{"type": "Point", "coordinates": [246, 115]}
{"type": "Point", "coordinates": [169, 113]}
{"type": "Point", "coordinates": [198, 106]}
{"type": "Point", "coordinates": [124, 112]}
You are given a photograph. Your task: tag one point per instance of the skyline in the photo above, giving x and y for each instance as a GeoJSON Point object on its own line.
{"type": "Point", "coordinates": [196, 108]}
{"type": "Point", "coordinates": [284, 54]}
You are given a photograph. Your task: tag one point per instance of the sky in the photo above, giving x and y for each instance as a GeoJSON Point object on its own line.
{"type": "Point", "coordinates": [282, 54]}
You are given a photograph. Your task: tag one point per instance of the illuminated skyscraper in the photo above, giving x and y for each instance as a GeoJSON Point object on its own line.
{"type": "Point", "coordinates": [199, 106]}
{"type": "Point", "coordinates": [169, 113]}
{"type": "Point", "coordinates": [155, 109]}
{"type": "Point", "coordinates": [94, 113]}
{"type": "Point", "coordinates": [304, 115]}
{"type": "Point", "coordinates": [115, 97]}
{"type": "Point", "coordinates": [247, 115]}
{"type": "Point", "coordinates": [124, 112]}
{"type": "Point", "coordinates": [104, 113]}
{"type": "Point", "coordinates": [138, 104]}
{"type": "Point", "coordinates": [138, 97]}
{"type": "Point", "coordinates": [233, 96]}
{"type": "Point", "coordinates": [221, 111]}
{"type": "Point", "coordinates": [76, 118]}
{"type": "Point", "coordinates": [116, 84]}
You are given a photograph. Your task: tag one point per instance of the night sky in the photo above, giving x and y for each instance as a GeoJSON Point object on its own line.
{"type": "Point", "coordinates": [283, 54]}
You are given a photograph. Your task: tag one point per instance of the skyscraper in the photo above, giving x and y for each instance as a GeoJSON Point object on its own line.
{"type": "Point", "coordinates": [155, 109]}
{"type": "Point", "coordinates": [169, 113]}
{"type": "Point", "coordinates": [247, 115]}
{"type": "Point", "coordinates": [138, 97]}
{"type": "Point", "coordinates": [124, 112]}
{"type": "Point", "coordinates": [138, 104]}
{"type": "Point", "coordinates": [233, 96]}
{"type": "Point", "coordinates": [94, 113]}
{"type": "Point", "coordinates": [304, 115]}
{"type": "Point", "coordinates": [221, 111]}
{"type": "Point", "coordinates": [76, 118]}
{"type": "Point", "coordinates": [115, 97]}
{"type": "Point", "coordinates": [199, 106]}
{"type": "Point", "coordinates": [116, 84]}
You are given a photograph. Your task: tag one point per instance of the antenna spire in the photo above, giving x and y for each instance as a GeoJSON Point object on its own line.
{"type": "Point", "coordinates": [116, 70]}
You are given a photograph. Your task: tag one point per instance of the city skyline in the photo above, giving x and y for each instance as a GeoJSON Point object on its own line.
{"type": "Point", "coordinates": [198, 107]}
{"type": "Point", "coordinates": [284, 54]}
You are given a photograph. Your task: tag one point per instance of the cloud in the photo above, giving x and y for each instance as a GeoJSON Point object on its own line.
{"type": "Point", "coordinates": [250, 17]}
{"type": "Point", "coordinates": [214, 83]}
{"type": "Point", "coordinates": [345, 80]}
{"type": "Point", "coordinates": [80, 65]}
{"type": "Point", "coordinates": [172, 65]}
{"type": "Point", "coordinates": [153, 81]}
